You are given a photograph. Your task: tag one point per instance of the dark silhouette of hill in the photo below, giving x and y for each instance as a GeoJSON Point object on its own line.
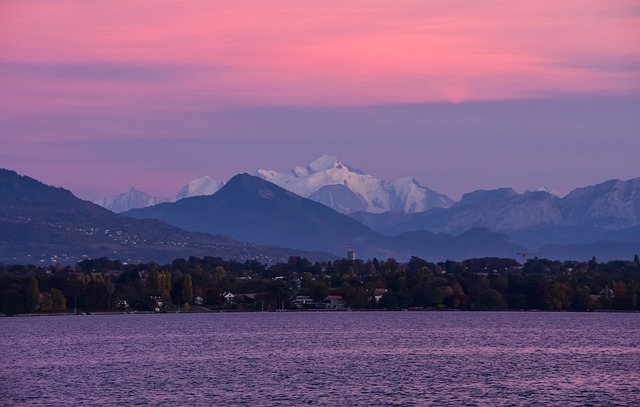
{"type": "Point", "coordinates": [41, 222]}
{"type": "Point", "coordinates": [442, 246]}
{"type": "Point", "coordinates": [251, 209]}
{"type": "Point", "coordinates": [44, 223]}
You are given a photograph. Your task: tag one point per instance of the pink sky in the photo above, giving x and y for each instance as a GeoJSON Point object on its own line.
{"type": "Point", "coordinates": [73, 72]}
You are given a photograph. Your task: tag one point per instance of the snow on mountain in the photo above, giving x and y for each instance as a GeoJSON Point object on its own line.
{"type": "Point", "coordinates": [129, 200]}
{"type": "Point", "coordinates": [134, 199]}
{"type": "Point", "coordinates": [328, 181]}
{"type": "Point", "coordinates": [537, 216]}
{"type": "Point", "coordinates": [613, 204]}
{"type": "Point", "coordinates": [544, 189]}
{"type": "Point", "coordinates": [200, 186]}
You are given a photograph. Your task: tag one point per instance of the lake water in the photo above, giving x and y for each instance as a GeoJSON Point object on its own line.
{"type": "Point", "coordinates": [324, 358]}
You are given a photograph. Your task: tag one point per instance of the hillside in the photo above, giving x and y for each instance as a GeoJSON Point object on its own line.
{"type": "Point", "coordinates": [44, 223]}
{"type": "Point", "coordinates": [251, 209]}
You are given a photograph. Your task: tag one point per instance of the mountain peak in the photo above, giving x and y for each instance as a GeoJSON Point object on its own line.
{"type": "Point", "coordinates": [200, 186]}
{"type": "Point", "coordinates": [324, 163]}
{"type": "Point", "coordinates": [258, 211]}
{"type": "Point", "coordinates": [544, 189]}
{"type": "Point", "coordinates": [328, 181]}
{"type": "Point", "coordinates": [483, 195]}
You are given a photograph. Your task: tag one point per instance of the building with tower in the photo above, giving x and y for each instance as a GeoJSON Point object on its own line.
{"type": "Point", "coordinates": [351, 255]}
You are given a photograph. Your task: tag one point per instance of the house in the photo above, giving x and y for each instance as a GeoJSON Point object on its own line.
{"type": "Point", "coordinates": [229, 298]}
{"type": "Point", "coordinates": [122, 305]}
{"type": "Point", "coordinates": [303, 301]}
{"type": "Point", "coordinates": [378, 293]}
{"type": "Point", "coordinates": [334, 302]}
{"type": "Point", "coordinates": [157, 302]}
{"type": "Point", "coordinates": [606, 292]}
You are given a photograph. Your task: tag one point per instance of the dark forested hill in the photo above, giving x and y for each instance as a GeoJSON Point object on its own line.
{"type": "Point", "coordinates": [41, 222]}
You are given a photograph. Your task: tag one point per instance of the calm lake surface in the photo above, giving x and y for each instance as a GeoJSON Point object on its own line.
{"type": "Point", "coordinates": [341, 358]}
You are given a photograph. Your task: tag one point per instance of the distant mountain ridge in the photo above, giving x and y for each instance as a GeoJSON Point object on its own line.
{"type": "Point", "coordinates": [127, 200]}
{"type": "Point", "coordinates": [198, 187]}
{"type": "Point", "coordinates": [607, 211]}
{"type": "Point", "coordinates": [347, 190]}
{"type": "Point", "coordinates": [251, 209]}
{"type": "Point", "coordinates": [325, 180]}
{"type": "Point", "coordinates": [134, 198]}
{"type": "Point", "coordinates": [39, 222]}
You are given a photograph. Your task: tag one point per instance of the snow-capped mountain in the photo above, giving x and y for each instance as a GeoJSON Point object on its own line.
{"type": "Point", "coordinates": [613, 204]}
{"type": "Point", "coordinates": [347, 190]}
{"type": "Point", "coordinates": [545, 189]}
{"type": "Point", "coordinates": [129, 200]}
{"type": "Point", "coordinates": [134, 199]}
{"type": "Point", "coordinates": [200, 186]}
{"type": "Point", "coordinates": [607, 211]}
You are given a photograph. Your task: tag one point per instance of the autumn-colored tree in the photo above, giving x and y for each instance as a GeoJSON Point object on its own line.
{"type": "Point", "coordinates": [58, 300]}
{"type": "Point", "coordinates": [620, 295]}
{"type": "Point", "coordinates": [53, 301]}
{"type": "Point", "coordinates": [187, 290]}
{"type": "Point", "coordinates": [557, 295]}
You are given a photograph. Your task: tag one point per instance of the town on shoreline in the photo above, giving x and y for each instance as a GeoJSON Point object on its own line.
{"type": "Point", "coordinates": [213, 284]}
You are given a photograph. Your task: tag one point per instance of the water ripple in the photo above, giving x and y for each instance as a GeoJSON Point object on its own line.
{"type": "Point", "coordinates": [338, 359]}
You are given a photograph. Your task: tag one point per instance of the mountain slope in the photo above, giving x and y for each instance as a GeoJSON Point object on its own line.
{"type": "Point", "coordinates": [134, 198]}
{"type": "Point", "coordinates": [129, 200]}
{"type": "Point", "coordinates": [346, 190]}
{"type": "Point", "coordinates": [474, 243]}
{"type": "Point", "coordinates": [198, 187]}
{"type": "Point", "coordinates": [607, 211]}
{"type": "Point", "coordinates": [251, 209]}
{"type": "Point", "coordinates": [44, 223]}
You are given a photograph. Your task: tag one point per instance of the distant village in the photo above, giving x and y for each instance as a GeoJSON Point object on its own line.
{"type": "Point", "coordinates": [214, 284]}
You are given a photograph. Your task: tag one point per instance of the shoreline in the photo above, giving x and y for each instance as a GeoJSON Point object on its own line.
{"type": "Point", "coordinates": [60, 314]}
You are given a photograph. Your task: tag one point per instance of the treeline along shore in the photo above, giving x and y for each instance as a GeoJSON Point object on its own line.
{"type": "Point", "coordinates": [212, 283]}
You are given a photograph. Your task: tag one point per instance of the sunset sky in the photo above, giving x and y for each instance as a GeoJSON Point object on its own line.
{"type": "Point", "coordinates": [101, 96]}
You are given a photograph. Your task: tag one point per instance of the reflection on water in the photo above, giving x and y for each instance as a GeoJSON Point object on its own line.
{"type": "Point", "coordinates": [369, 358]}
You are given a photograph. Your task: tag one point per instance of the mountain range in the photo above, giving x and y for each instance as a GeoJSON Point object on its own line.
{"type": "Point", "coordinates": [325, 180]}
{"type": "Point", "coordinates": [138, 199]}
{"type": "Point", "coordinates": [601, 220]}
{"type": "Point", "coordinates": [249, 208]}
{"type": "Point", "coordinates": [608, 211]}
{"type": "Point", "coordinates": [42, 223]}
{"type": "Point", "coordinates": [347, 190]}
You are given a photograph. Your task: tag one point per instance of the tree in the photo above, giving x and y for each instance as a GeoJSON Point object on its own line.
{"type": "Point", "coordinates": [620, 295]}
{"type": "Point", "coordinates": [389, 301]}
{"type": "Point", "coordinates": [557, 295]}
{"type": "Point", "coordinates": [58, 300]}
{"type": "Point", "coordinates": [99, 295]}
{"type": "Point", "coordinates": [488, 299]}
{"type": "Point", "coordinates": [582, 299]}
{"type": "Point", "coordinates": [12, 302]}
{"type": "Point", "coordinates": [187, 289]}
{"type": "Point", "coordinates": [33, 295]}
{"type": "Point", "coordinates": [53, 300]}
{"type": "Point", "coordinates": [633, 295]}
